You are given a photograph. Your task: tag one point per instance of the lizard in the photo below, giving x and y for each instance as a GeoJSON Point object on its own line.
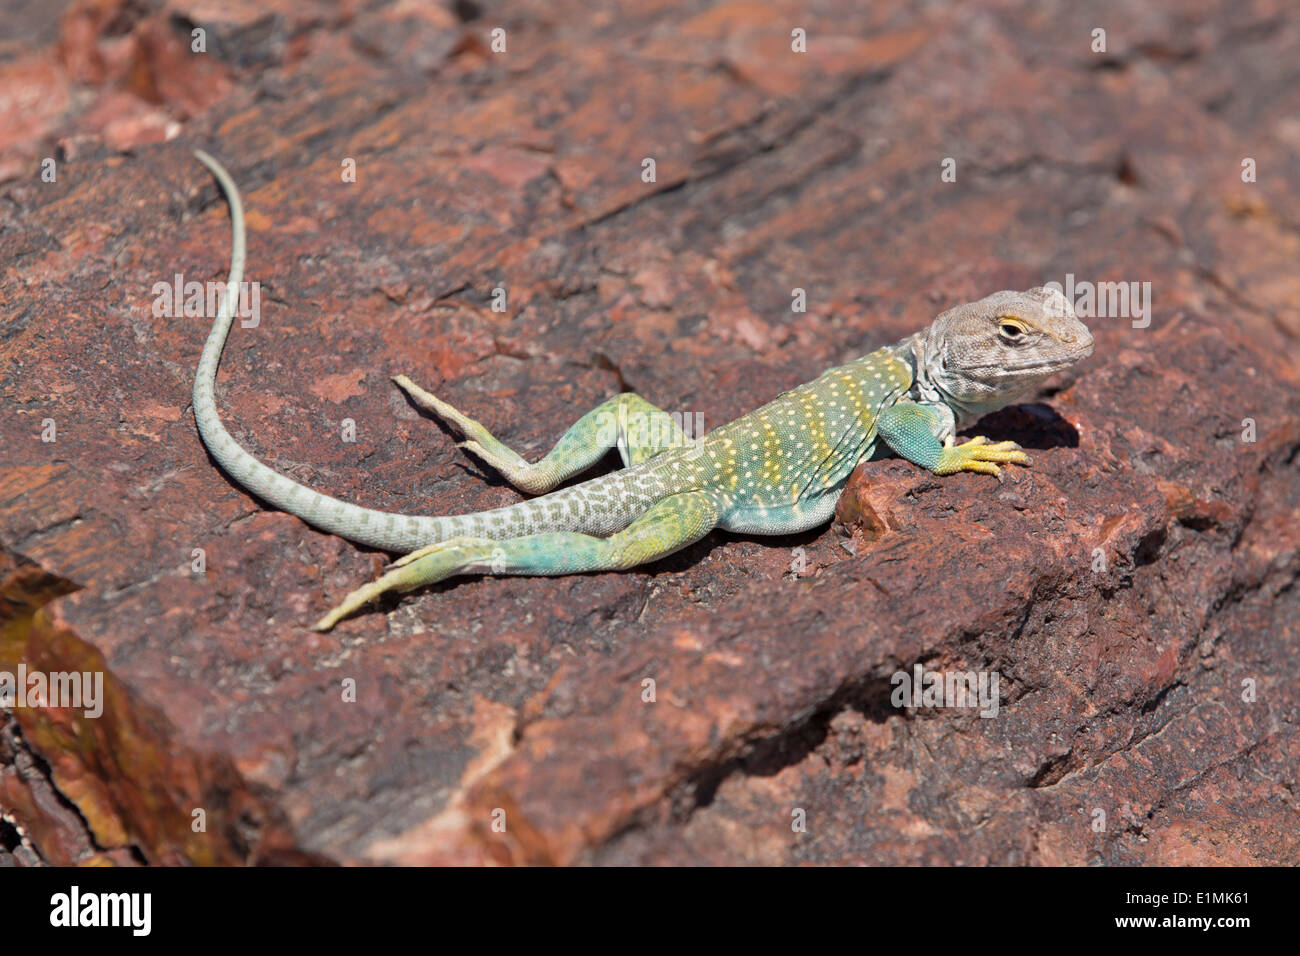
{"type": "Point", "coordinates": [777, 470]}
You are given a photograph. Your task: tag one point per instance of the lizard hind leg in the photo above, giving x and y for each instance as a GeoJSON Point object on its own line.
{"type": "Point", "coordinates": [667, 526]}
{"type": "Point", "coordinates": [626, 421]}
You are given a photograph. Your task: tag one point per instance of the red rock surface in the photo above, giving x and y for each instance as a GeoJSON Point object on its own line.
{"type": "Point", "coordinates": [1122, 686]}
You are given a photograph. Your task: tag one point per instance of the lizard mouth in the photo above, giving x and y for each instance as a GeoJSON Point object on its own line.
{"type": "Point", "coordinates": [1045, 367]}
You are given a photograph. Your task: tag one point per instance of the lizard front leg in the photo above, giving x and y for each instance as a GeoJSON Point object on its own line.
{"type": "Point", "coordinates": [667, 526]}
{"type": "Point", "coordinates": [638, 429]}
{"type": "Point", "coordinates": [911, 429]}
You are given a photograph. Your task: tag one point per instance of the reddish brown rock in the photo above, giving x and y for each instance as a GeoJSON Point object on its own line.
{"type": "Point", "coordinates": [1134, 590]}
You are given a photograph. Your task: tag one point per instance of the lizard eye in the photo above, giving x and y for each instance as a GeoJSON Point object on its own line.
{"type": "Point", "coordinates": [1010, 329]}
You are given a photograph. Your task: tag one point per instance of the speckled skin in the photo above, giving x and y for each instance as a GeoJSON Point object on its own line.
{"type": "Point", "coordinates": [777, 470]}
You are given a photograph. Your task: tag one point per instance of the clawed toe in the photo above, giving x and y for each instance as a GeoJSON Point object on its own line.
{"type": "Point", "coordinates": [981, 456]}
{"type": "Point", "coordinates": [428, 565]}
{"type": "Point", "coordinates": [413, 556]}
{"type": "Point", "coordinates": [430, 402]}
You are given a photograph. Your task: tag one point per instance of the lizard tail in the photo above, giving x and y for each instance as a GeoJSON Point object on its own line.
{"type": "Point", "coordinates": [377, 529]}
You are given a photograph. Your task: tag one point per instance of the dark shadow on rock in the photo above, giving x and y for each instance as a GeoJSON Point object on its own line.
{"type": "Point", "coordinates": [786, 541]}
{"type": "Point", "coordinates": [1035, 426]}
{"type": "Point", "coordinates": [769, 755]}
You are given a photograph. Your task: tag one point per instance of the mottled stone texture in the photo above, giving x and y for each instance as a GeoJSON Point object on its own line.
{"type": "Point", "coordinates": [1128, 590]}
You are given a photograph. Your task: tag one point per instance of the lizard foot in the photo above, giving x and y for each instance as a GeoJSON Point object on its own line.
{"type": "Point", "coordinates": [428, 565]}
{"type": "Point", "coordinates": [431, 403]}
{"type": "Point", "coordinates": [978, 455]}
{"type": "Point", "coordinates": [532, 478]}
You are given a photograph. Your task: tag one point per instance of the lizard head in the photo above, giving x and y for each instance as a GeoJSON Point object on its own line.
{"type": "Point", "coordinates": [987, 354]}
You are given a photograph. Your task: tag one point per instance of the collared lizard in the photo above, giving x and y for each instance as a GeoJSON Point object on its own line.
{"type": "Point", "coordinates": [777, 470]}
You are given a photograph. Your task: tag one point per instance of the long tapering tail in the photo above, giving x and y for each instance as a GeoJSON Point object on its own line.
{"type": "Point", "coordinates": [378, 529]}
